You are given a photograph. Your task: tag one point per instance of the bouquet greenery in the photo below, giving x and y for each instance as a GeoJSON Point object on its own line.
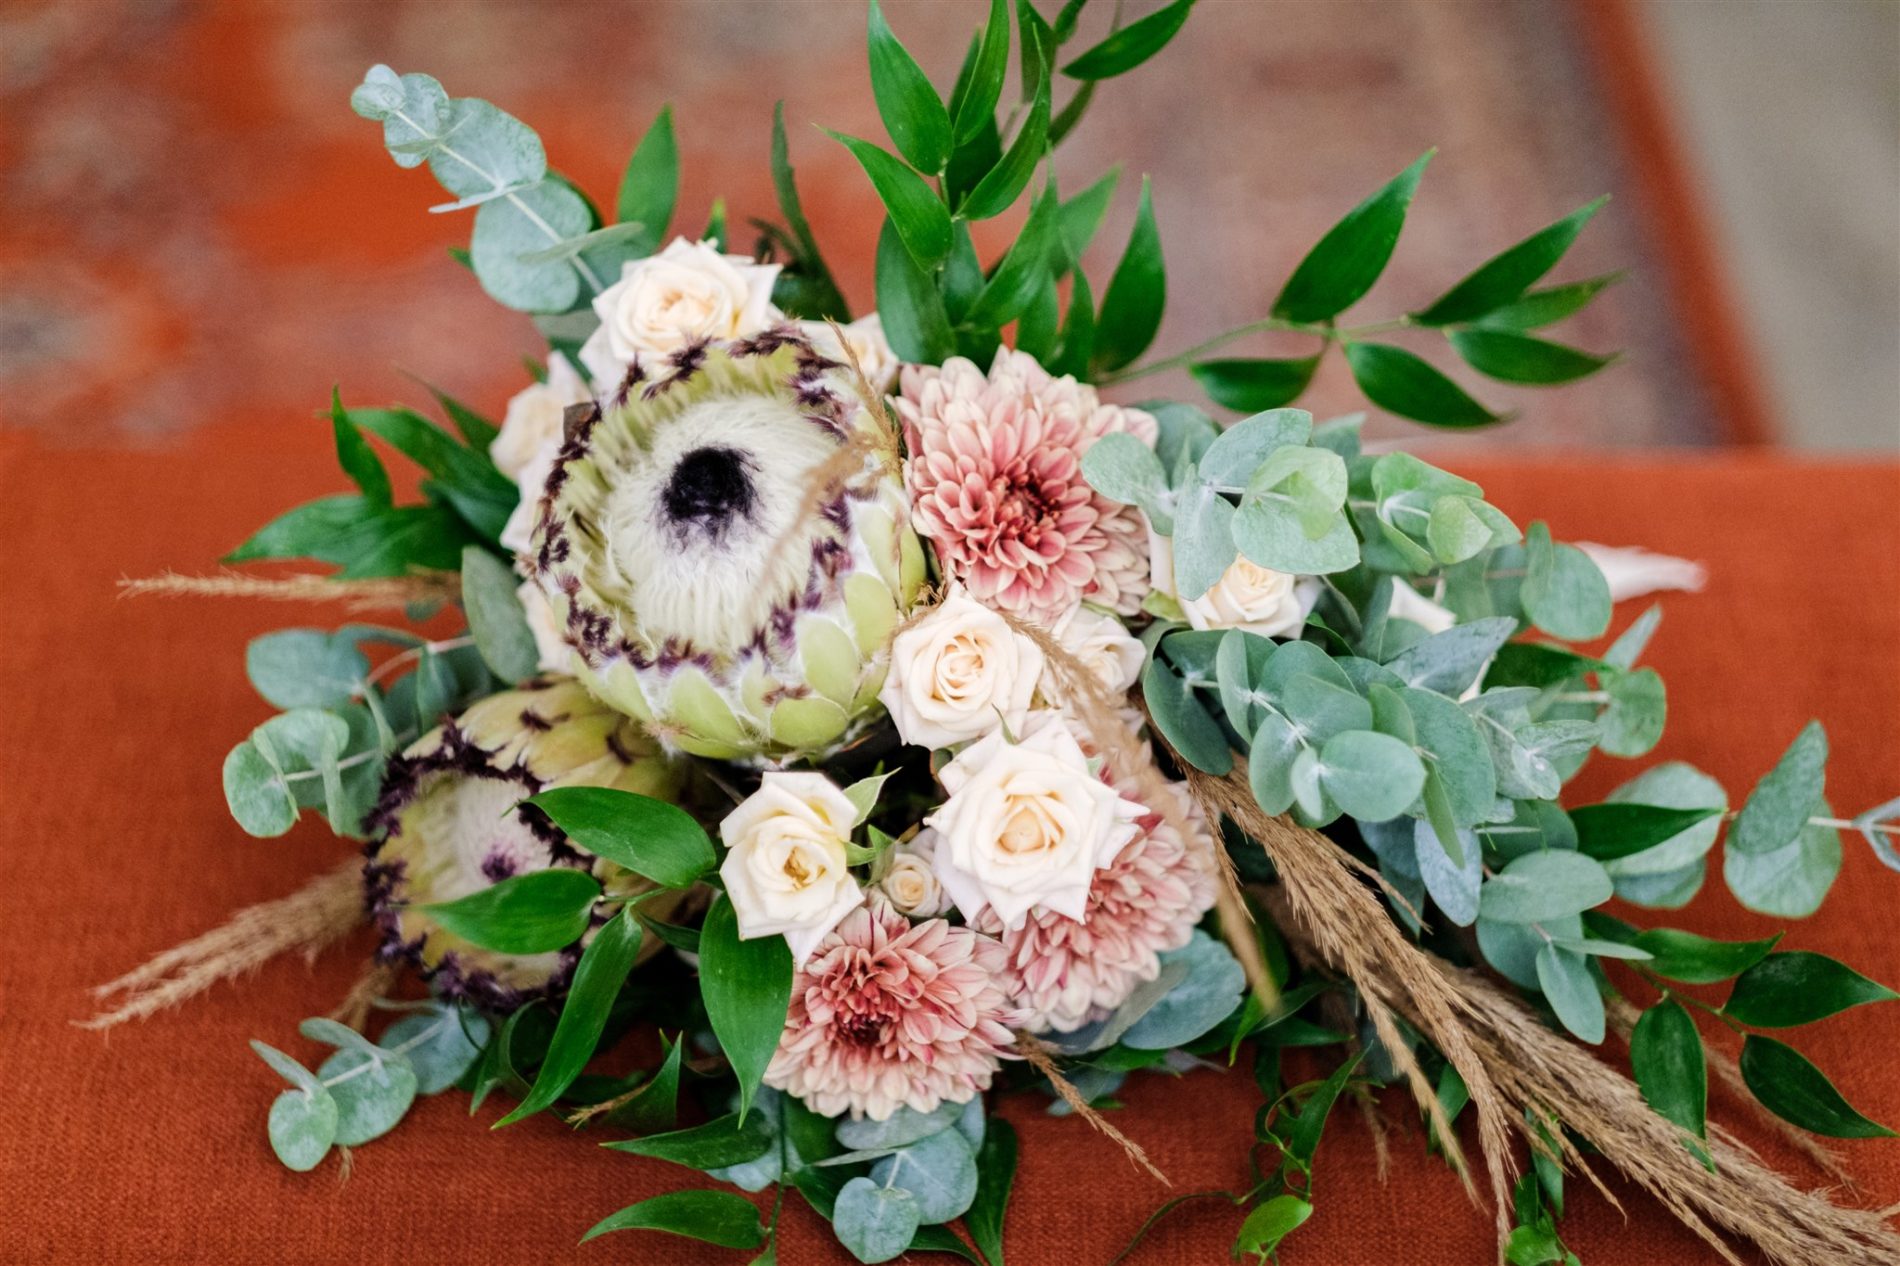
{"type": "Point", "coordinates": [882, 717]}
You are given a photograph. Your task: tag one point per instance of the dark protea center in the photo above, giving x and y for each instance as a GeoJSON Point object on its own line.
{"type": "Point", "coordinates": [708, 488]}
{"type": "Point", "coordinates": [727, 548]}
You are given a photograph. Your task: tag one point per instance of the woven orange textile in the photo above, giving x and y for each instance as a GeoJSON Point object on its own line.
{"type": "Point", "coordinates": [148, 1145]}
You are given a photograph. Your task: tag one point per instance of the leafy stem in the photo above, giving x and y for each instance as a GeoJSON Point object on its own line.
{"type": "Point", "coordinates": [1330, 333]}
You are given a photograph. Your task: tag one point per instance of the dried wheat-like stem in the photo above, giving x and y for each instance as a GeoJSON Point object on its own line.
{"type": "Point", "coordinates": [308, 921]}
{"type": "Point", "coordinates": [1038, 1053]}
{"type": "Point", "coordinates": [379, 594]}
{"type": "Point", "coordinates": [1521, 1064]}
{"type": "Point", "coordinates": [370, 987]}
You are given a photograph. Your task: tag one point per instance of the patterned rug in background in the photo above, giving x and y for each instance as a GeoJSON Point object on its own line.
{"type": "Point", "coordinates": [193, 225]}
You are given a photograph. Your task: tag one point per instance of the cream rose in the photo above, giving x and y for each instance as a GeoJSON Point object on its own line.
{"type": "Point", "coordinates": [959, 673]}
{"type": "Point", "coordinates": [864, 339]}
{"type": "Point", "coordinates": [1026, 824]}
{"type": "Point", "coordinates": [536, 417]}
{"type": "Point", "coordinates": [910, 881]}
{"type": "Point", "coordinates": [1247, 596]}
{"type": "Point", "coordinates": [1104, 646]}
{"type": "Point", "coordinates": [687, 291]}
{"type": "Point", "coordinates": [786, 872]}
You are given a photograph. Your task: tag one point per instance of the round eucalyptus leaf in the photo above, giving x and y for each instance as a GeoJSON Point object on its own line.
{"type": "Point", "coordinates": [875, 1222]}
{"type": "Point", "coordinates": [939, 1170]}
{"type": "Point", "coordinates": [1564, 975]}
{"type": "Point", "coordinates": [1452, 884]}
{"type": "Point", "coordinates": [255, 793]}
{"type": "Point", "coordinates": [1512, 947]}
{"type": "Point", "coordinates": [1208, 995]}
{"type": "Point", "coordinates": [509, 228]}
{"type": "Point", "coordinates": [369, 1102]}
{"type": "Point", "coordinates": [302, 1127]}
{"type": "Point", "coordinates": [1791, 881]}
{"type": "Point", "coordinates": [1459, 755]}
{"type": "Point", "coordinates": [902, 1128]}
{"type": "Point", "coordinates": [1639, 707]}
{"type": "Point", "coordinates": [441, 1043]}
{"type": "Point", "coordinates": [1539, 886]}
{"type": "Point", "coordinates": [1371, 776]}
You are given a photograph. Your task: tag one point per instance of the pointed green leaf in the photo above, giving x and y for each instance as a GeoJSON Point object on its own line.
{"type": "Point", "coordinates": [913, 113]}
{"type": "Point", "coordinates": [747, 987]}
{"type": "Point", "coordinates": [921, 220]}
{"type": "Point", "coordinates": [1507, 275]}
{"type": "Point", "coordinates": [649, 837]}
{"type": "Point", "coordinates": [1404, 383]}
{"type": "Point", "coordinates": [1799, 987]}
{"type": "Point", "coordinates": [1131, 309]}
{"type": "Point", "coordinates": [1513, 357]}
{"type": "Point", "coordinates": [1338, 271]}
{"type": "Point", "coordinates": [1249, 386]}
{"type": "Point", "coordinates": [535, 913]}
{"type": "Point", "coordinates": [984, 86]}
{"type": "Point", "coordinates": [1129, 47]}
{"type": "Point", "coordinates": [1671, 1069]}
{"type": "Point", "coordinates": [649, 188]}
{"type": "Point", "coordinates": [1549, 306]}
{"type": "Point", "coordinates": [1795, 1090]}
{"type": "Point", "coordinates": [715, 1217]}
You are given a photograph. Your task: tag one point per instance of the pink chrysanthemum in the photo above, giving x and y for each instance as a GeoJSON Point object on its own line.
{"type": "Point", "coordinates": [995, 478]}
{"type": "Point", "coordinates": [1063, 974]}
{"type": "Point", "coordinates": [888, 1014]}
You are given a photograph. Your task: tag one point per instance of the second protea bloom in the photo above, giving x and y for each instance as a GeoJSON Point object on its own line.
{"type": "Point", "coordinates": [888, 1014]}
{"type": "Point", "coordinates": [450, 823]}
{"type": "Point", "coordinates": [726, 545]}
{"type": "Point", "coordinates": [995, 474]}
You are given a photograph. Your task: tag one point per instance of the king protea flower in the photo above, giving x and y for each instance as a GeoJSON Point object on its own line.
{"type": "Point", "coordinates": [450, 823]}
{"type": "Point", "coordinates": [887, 1014]}
{"type": "Point", "coordinates": [727, 548]}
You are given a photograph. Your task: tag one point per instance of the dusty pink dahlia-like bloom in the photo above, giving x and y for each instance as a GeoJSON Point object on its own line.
{"type": "Point", "coordinates": [1064, 973]}
{"type": "Point", "coordinates": [887, 1014]}
{"type": "Point", "coordinates": [995, 478]}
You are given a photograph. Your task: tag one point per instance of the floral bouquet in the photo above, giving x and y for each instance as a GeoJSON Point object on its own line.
{"type": "Point", "coordinates": [856, 718]}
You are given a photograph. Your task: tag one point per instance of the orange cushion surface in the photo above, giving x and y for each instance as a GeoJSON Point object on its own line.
{"type": "Point", "coordinates": [148, 1144]}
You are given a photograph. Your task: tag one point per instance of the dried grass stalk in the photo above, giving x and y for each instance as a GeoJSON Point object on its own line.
{"type": "Point", "coordinates": [370, 987]}
{"type": "Point", "coordinates": [1039, 1055]}
{"type": "Point", "coordinates": [378, 594]}
{"type": "Point", "coordinates": [1512, 1061]}
{"type": "Point", "coordinates": [308, 921]}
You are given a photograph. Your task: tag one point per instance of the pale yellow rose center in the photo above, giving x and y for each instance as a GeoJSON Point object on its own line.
{"type": "Point", "coordinates": [1028, 829]}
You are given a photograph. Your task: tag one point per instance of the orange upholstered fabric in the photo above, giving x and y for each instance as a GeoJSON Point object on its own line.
{"type": "Point", "coordinates": [148, 1145]}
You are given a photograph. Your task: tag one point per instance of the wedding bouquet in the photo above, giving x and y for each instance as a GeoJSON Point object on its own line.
{"type": "Point", "coordinates": [862, 717]}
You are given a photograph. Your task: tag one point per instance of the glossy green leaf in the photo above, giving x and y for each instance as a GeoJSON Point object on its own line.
{"type": "Point", "coordinates": [649, 188]}
{"type": "Point", "coordinates": [1023, 271]}
{"type": "Point", "coordinates": [1512, 357]}
{"type": "Point", "coordinates": [998, 190]}
{"type": "Point", "coordinates": [356, 457]}
{"type": "Point", "coordinates": [1249, 386]}
{"type": "Point", "coordinates": [983, 86]}
{"type": "Point", "coordinates": [1697, 960]}
{"type": "Point", "coordinates": [715, 1217]}
{"type": "Point", "coordinates": [996, 1174]}
{"type": "Point", "coordinates": [1403, 383]}
{"type": "Point", "coordinates": [1082, 214]}
{"type": "Point", "coordinates": [1799, 987]}
{"type": "Point", "coordinates": [597, 979]}
{"type": "Point", "coordinates": [1129, 47]}
{"type": "Point", "coordinates": [747, 986]}
{"type": "Point", "coordinates": [1671, 1069]}
{"type": "Point", "coordinates": [1338, 271]}
{"type": "Point", "coordinates": [1608, 832]}
{"type": "Point", "coordinates": [1132, 306]}
{"type": "Point", "coordinates": [909, 304]}
{"type": "Point", "coordinates": [1505, 276]}
{"type": "Point", "coordinates": [723, 1141]}
{"type": "Point", "coordinates": [1796, 1091]}
{"type": "Point", "coordinates": [922, 222]}
{"type": "Point", "coordinates": [913, 113]}
{"type": "Point", "coordinates": [535, 913]}
{"type": "Point", "coordinates": [649, 837]}
{"type": "Point", "coordinates": [1271, 1221]}
{"type": "Point", "coordinates": [1549, 306]}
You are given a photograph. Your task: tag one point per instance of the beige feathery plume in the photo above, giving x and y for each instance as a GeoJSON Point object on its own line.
{"type": "Point", "coordinates": [308, 921]}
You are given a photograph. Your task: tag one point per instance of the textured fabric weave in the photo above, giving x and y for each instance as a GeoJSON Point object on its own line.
{"type": "Point", "coordinates": [147, 1145]}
